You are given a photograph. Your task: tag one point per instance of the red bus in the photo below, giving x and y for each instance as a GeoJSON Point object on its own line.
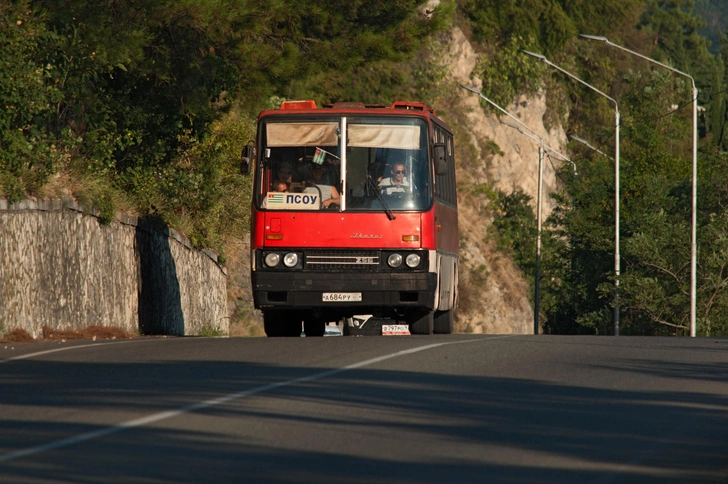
{"type": "Point", "coordinates": [364, 223]}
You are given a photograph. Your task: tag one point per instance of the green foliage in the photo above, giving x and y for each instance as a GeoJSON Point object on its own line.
{"type": "Point", "coordinates": [151, 101]}
{"type": "Point", "coordinates": [677, 41]}
{"type": "Point", "coordinates": [104, 202]}
{"type": "Point", "coordinates": [211, 331]}
{"type": "Point", "coordinates": [578, 291]}
{"type": "Point", "coordinates": [414, 73]}
{"type": "Point", "coordinates": [712, 234]}
{"type": "Point", "coordinates": [505, 28]}
{"type": "Point", "coordinates": [491, 147]}
{"type": "Point", "coordinates": [720, 114]}
{"type": "Point", "coordinates": [712, 317]}
{"type": "Point", "coordinates": [656, 281]}
{"type": "Point", "coordinates": [714, 14]}
{"type": "Point", "coordinates": [203, 190]}
{"type": "Point", "coordinates": [508, 72]}
{"type": "Point", "coordinates": [31, 148]}
{"type": "Point", "coordinates": [655, 176]}
{"type": "Point", "coordinates": [498, 20]}
{"type": "Point", "coordinates": [550, 24]}
{"type": "Point", "coordinates": [486, 190]}
{"type": "Point", "coordinates": [583, 261]}
{"type": "Point", "coordinates": [516, 225]}
{"type": "Point", "coordinates": [675, 27]}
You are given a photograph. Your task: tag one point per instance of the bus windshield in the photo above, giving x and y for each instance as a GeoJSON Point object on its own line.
{"type": "Point", "coordinates": [385, 167]}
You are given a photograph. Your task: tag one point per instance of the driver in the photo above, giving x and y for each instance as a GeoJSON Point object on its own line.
{"type": "Point", "coordinates": [329, 193]}
{"type": "Point", "coordinates": [396, 182]}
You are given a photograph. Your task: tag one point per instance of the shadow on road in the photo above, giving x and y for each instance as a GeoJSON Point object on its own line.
{"type": "Point", "coordinates": [606, 428]}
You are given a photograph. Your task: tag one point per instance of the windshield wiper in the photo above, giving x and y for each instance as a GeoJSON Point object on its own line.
{"type": "Point", "coordinates": [373, 186]}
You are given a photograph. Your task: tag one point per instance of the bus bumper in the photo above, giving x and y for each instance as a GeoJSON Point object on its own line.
{"type": "Point", "coordinates": [379, 292]}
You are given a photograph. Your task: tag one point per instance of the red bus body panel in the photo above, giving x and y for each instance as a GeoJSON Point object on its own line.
{"type": "Point", "coordinates": [447, 239]}
{"type": "Point", "coordinates": [344, 230]}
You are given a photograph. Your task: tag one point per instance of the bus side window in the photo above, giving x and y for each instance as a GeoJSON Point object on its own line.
{"type": "Point", "coordinates": [450, 156]}
{"type": "Point", "coordinates": [445, 187]}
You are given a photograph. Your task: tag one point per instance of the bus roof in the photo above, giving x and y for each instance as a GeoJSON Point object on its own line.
{"type": "Point", "coordinates": [303, 107]}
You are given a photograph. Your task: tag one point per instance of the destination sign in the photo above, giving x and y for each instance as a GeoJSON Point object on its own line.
{"type": "Point", "coordinates": [292, 201]}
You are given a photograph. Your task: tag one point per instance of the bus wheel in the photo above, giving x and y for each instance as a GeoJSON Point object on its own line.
{"type": "Point", "coordinates": [282, 323]}
{"type": "Point", "coordinates": [345, 331]}
{"type": "Point", "coordinates": [443, 322]}
{"type": "Point", "coordinates": [422, 323]}
{"type": "Point", "coordinates": [314, 327]}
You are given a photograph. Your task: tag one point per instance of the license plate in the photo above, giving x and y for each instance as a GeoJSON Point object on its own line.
{"type": "Point", "coordinates": [341, 297]}
{"type": "Point", "coordinates": [395, 329]}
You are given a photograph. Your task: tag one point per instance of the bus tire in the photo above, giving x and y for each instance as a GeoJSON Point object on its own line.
{"type": "Point", "coordinates": [345, 331]}
{"type": "Point", "coordinates": [443, 322]}
{"type": "Point", "coordinates": [281, 323]}
{"type": "Point", "coordinates": [422, 323]}
{"type": "Point", "coordinates": [314, 327]}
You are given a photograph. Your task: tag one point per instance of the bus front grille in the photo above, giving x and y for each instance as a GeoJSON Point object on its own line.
{"type": "Point", "coordinates": [343, 260]}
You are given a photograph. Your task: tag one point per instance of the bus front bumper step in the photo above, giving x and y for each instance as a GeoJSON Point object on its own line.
{"type": "Point", "coordinates": [286, 290]}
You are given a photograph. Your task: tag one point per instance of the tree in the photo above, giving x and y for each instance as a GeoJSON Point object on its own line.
{"type": "Point", "coordinates": [29, 146]}
{"type": "Point", "coordinates": [114, 92]}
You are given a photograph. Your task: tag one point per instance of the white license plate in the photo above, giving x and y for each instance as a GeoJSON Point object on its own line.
{"type": "Point", "coordinates": [395, 329]}
{"type": "Point", "coordinates": [341, 296]}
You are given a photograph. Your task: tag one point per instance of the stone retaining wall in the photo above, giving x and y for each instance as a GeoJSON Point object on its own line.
{"type": "Point", "coordinates": [61, 268]}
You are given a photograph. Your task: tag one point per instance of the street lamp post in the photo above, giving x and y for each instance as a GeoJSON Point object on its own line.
{"type": "Point", "coordinates": [616, 182]}
{"type": "Point", "coordinates": [694, 221]}
{"type": "Point", "coordinates": [539, 216]}
{"type": "Point", "coordinates": [541, 150]}
{"type": "Point", "coordinates": [537, 280]}
{"type": "Point", "coordinates": [539, 202]}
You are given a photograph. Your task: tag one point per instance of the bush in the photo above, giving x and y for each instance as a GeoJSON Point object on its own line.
{"type": "Point", "coordinates": [31, 149]}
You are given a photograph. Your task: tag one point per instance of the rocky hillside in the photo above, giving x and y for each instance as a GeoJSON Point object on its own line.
{"type": "Point", "coordinates": [494, 296]}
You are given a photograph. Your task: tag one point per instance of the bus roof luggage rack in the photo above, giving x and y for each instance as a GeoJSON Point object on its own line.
{"type": "Point", "coordinates": [355, 105]}
{"type": "Point", "coordinates": [411, 106]}
{"type": "Point", "coordinates": [349, 105]}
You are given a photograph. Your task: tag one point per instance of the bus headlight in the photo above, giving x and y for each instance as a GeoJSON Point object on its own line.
{"type": "Point", "coordinates": [412, 261]}
{"type": "Point", "coordinates": [290, 259]}
{"type": "Point", "coordinates": [272, 259]}
{"type": "Point", "coordinates": [394, 260]}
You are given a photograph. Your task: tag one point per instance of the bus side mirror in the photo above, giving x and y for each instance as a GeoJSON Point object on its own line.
{"type": "Point", "coordinates": [246, 159]}
{"type": "Point", "coordinates": [440, 163]}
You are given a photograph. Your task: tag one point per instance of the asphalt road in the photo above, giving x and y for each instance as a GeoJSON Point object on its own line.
{"type": "Point", "coordinates": [405, 409]}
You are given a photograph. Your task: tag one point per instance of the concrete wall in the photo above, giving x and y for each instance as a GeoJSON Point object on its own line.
{"type": "Point", "coordinates": [59, 267]}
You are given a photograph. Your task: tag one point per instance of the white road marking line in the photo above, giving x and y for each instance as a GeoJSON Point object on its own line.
{"type": "Point", "coordinates": [38, 353]}
{"type": "Point", "coordinates": [156, 417]}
